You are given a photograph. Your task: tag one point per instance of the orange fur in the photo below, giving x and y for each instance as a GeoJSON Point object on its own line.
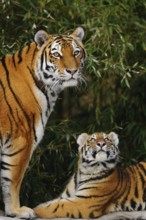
{"type": "Point", "coordinates": [30, 81]}
{"type": "Point", "coordinates": [99, 186]}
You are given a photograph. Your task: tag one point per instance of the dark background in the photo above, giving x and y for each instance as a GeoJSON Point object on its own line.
{"type": "Point", "coordinates": [114, 98]}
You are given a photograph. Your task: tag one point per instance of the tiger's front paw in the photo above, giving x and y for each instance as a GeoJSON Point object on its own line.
{"type": "Point", "coordinates": [22, 213]}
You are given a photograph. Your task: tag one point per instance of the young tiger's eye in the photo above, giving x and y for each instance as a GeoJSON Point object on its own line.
{"type": "Point", "coordinates": [76, 53]}
{"type": "Point", "coordinates": [92, 140]}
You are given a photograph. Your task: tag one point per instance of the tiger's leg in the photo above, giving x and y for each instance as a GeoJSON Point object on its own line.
{"type": "Point", "coordinates": [14, 161]}
{"type": "Point", "coordinates": [69, 208]}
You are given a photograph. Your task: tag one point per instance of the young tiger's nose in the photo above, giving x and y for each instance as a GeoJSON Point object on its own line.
{"type": "Point", "coordinates": [101, 143]}
{"type": "Point", "coordinates": [71, 71]}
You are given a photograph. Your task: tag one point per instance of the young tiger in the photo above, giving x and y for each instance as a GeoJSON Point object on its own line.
{"type": "Point", "coordinates": [30, 82]}
{"type": "Point", "coordinates": [99, 186]}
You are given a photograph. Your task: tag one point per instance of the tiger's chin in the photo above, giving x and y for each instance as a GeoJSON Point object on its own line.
{"type": "Point", "coordinates": [70, 83]}
{"type": "Point", "coordinates": [101, 156]}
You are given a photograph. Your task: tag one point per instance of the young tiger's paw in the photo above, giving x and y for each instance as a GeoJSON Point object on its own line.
{"type": "Point", "coordinates": [22, 213]}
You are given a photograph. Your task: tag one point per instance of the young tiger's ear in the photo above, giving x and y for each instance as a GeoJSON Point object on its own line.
{"type": "Point", "coordinates": [114, 137]}
{"type": "Point", "coordinates": [79, 33]}
{"type": "Point", "coordinates": [82, 139]}
{"type": "Point", "coordinates": [41, 37]}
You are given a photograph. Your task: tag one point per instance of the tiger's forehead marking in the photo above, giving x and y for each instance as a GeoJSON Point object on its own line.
{"type": "Point", "coordinates": [56, 47]}
{"type": "Point", "coordinates": [93, 136]}
{"type": "Point", "coordinates": [61, 42]}
{"type": "Point", "coordinates": [98, 136]}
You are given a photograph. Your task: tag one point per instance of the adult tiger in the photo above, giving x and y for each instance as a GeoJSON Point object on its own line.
{"type": "Point", "coordinates": [30, 81]}
{"type": "Point", "coordinates": [99, 186]}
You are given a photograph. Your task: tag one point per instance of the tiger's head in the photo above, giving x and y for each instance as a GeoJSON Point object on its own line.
{"type": "Point", "coordinates": [98, 149]}
{"type": "Point", "coordinates": [60, 58]}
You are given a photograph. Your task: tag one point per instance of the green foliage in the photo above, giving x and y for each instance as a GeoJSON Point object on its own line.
{"type": "Point", "coordinates": [115, 95]}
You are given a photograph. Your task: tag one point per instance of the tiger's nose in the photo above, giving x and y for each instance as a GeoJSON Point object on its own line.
{"type": "Point", "coordinates": [71, 71]}
{"type": "Point", "coordinates": [101, 143]}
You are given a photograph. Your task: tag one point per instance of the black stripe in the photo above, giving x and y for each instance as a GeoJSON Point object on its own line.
{"type": "Point", "coordinates": [34, 52]}
{"type": "Point", "coordinates": [16, 98]}
{"type": "Point", "coordinates": [11, 124]}
{"type": "Point", "coordinates": [123, 176]}
{"type": "Point", "coordinates": [45, 58]}
{"type": "Point", "coordinates": [97, 177]}
{"type": "Point", "coordinates": [84, 160]}
{"type": "Point", "coordinates": [75, 180]}
{"type": "Point", "coordinates": [8, 146]}
{"type": "Point", "coordinates": [13, 154]}
{"type": "Point", "coordinates": [139, 208]}
{"type": "Point", "coordinates": [94, 164]}
{"type": "Point", "coordinates": [7, 139]}
{"type": "Point", "coordinates": [3, 167]}
{"type": "Point", "coordinates": [91, 215]}
{"type": "Point", "coordinates": [142, 177]}
{"type": "Point", "coordinates": [87, 188]}
{"type": "Point", "coordinates": [142, 180]}
{"type": "Point", "coordinates": [33, 126]}
{"type": "Point", "coordinates": [144, 195]}
{"type": "Point", "coordinates": [48, 205]}
{"type": "Point", "coordinates": [1, 139]}
{"type": "Point", "coordinates": [133, 204]}
{"type": "Point", "coordinates": [104, 164]}
{"type": "Point", "coordinates": [40, 85]}
{"type": "Point", "coordinates": [28, 48]}
{"type": "Point", "coordinates": [7, 179]}
{"type": "Point", "coordinates": [20, 121]}
{"type": "Point", "coordinates": [13, 58]}
{"type": "Point", "coordinates": [67, 193]}
{"type": "Point", "coordinates": [55, 210]}
{"type": "Point", "coordinates": [20, 56]}
{"type": "Point", "coordinates": [88, 197]}
{"type": "Point", "coordinates": [32, 93]}
{"type": "Point", "coordinates": [96, 196]}
{"type": "Point", "coordinates": [95, 205]}
{"type": "Point", "coordinates": [136, 191]}
{"type": "Point", "coordinates": [142, 168]}
{"type": "Point", "coordinates": [67, 215]}
{"type": "Point", "coordinates": [6, 166]}
{"type": "Point", "coordinates": [84, 54]}
{"type": "Point", "coordinates": [80, 215]}
{"type": "Point", "coordinates": [42, 120]}
{"type": "Point", "coordinates": [46, 76]}
{"type": "Point", "coordinates": [111, 161]}
{"type": "Point", "coordinates": [9, 106]}
{"type": "Point", "coordinates": [58, 38]}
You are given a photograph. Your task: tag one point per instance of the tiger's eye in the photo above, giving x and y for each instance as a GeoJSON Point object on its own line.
{"type": "Point", "coordinates": [76, 53]}
{"type": "Point", "coordinates": [56, 54]}
{"type": "Point", "coordinates": [92, 140]}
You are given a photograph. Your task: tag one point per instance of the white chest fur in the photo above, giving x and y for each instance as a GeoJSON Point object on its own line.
{"type": "Point", "coordinates": [47, 101]}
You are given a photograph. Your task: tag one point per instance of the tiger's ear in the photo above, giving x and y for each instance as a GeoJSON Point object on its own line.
{"type": "Point", "coordinates": [41, 37]}
{"type": "Point", "coordinates": [82, 139]}
{"type": "Point", "coordinates": [114, 137]}
{"type": "Point", "coordinates": [78, 33]}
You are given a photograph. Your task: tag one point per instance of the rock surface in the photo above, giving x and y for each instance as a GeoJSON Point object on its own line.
{"type": "Point", "coordinates": [2, 217]}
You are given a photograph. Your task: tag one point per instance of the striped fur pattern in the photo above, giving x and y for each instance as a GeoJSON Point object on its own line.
{"type": "Point", "coordinates": [30, 82]}
{"type": "Point", "coordinates": [99, 186]}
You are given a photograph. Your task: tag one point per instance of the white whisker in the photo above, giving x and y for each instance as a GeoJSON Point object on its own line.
{"type": "Point", "coordinates": [82, 80]}
{"type": "Point", "coordinates": [56, 82]}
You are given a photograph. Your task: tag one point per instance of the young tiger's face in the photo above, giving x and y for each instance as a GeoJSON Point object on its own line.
{"type": "Point", "coordinates": [98, 147]}
{"type": "Point", "coordinates": [62, 58]}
